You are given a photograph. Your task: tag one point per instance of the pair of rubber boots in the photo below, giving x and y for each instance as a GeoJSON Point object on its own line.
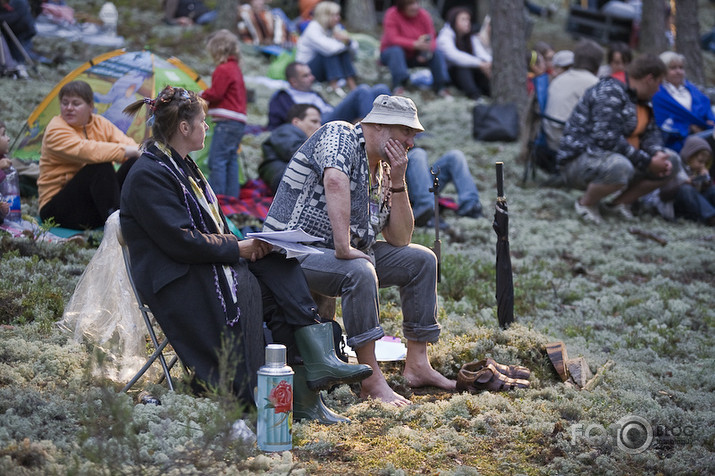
{"type": "Point", "coordinates": [321, 370]}
{"type": "Point", "coordinates": [309, 404]}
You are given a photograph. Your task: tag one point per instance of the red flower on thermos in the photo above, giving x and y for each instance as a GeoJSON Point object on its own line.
{"type": "Point", "coordinates": [282, 397]}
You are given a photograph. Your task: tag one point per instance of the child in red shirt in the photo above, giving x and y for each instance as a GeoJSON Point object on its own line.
{"type": "Point", "coordinates": [227, 108]}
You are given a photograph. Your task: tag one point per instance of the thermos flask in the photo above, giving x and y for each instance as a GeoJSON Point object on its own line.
{"type": "Point", "coordinates": [274, 430]}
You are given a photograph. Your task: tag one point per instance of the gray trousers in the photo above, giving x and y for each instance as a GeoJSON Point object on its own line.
{"type": "Point", "coordinates": [413, 268]}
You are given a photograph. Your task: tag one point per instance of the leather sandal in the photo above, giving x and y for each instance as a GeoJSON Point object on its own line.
{"type": "Point", "coordinates": [476, 376]}
{"type": "Point", "coordinates": [511, 371]}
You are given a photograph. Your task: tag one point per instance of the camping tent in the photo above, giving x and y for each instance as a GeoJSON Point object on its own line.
{"type": "Point", "coordinates": [118, 78]}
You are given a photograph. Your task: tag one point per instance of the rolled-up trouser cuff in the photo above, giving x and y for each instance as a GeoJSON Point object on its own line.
{"type": "Point", "coordinates": [421, 333]}
{"type": "Point", "coordinates": [360, 340]}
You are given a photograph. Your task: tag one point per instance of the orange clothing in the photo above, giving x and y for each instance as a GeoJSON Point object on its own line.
{"type": "Point", "coordinates": [306, 8]}
{"type": "Point", "coordinates": [643, 115]}
{"type": "Point", "coordinates": [66, 149]}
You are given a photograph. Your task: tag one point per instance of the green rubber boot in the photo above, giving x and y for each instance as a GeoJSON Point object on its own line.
{"type": "Point", "coordinates": [309, 404]}
{"type": "Point", "coordinates": [323, 368]}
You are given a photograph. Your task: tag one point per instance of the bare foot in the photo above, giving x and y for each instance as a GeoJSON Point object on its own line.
{"type": "Point", "coordinates": [418, 371]}
{"type": "Point", "coordinates": [376, 387]}
{"type": "Point", "coordinates": [426, 376]}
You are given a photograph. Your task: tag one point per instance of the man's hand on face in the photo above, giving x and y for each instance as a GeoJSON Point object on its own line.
{"type": "Point", "coordinates": [396, 155]}
{"type": "Point", "coordinates": [660, 165]}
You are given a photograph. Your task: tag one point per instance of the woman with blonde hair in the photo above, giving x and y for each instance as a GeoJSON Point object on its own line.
{"type": "Point", "coordinates": [680, 108]}
{"type": "Point", "coordinates": [326, 47]}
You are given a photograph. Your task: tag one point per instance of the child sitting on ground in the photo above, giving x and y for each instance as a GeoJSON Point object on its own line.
{"type": "Point", "coordinates": [227, 108]}
{"type": "Point", "coordinates": [695, 199]}
{"type": "Point", "coordinates": [693, 195]}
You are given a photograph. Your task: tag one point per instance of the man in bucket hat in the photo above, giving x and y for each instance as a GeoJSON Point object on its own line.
{"type": "Point", "coordinates": [346, 184]}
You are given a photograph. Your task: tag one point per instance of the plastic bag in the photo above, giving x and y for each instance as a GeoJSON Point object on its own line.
{"type": "Point", "coordinates": [104, 312]}
{"type": "Point", "coordinates": [277, 68]}
{"type": "Point", "coordinates": [10, 192]}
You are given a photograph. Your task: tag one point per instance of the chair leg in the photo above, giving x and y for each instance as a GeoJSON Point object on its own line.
{"type": "Point", "coordinates": [171, 364]}
{"type": "Point", "coordinates": [152, 335]}
{"type": "Point", "coordinates": [529, 165]}
{"type": "Point", "coordinates": [157, 354]}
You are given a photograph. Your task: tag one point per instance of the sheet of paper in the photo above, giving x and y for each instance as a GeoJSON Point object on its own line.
{"type": "Point", "coordinates": [387, 349]}
{"type": "Point", "coordinates": [289, 241]}
{"type": "Point", "coordinates": [294, 236]}
{"type": "Point", "coordinates": [293, 249]}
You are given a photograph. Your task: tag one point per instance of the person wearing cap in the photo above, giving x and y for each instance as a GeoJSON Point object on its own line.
{"type": "Point", "coordinates": [563, 60]}
{"type": "Point", "coordinates": [694, 196]}
{"type": "Point", "coordinates": [566, 89]}
{"type": "Point", "coordinates": [346, 185]}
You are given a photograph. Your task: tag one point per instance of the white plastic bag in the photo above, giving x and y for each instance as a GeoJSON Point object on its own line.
{"type": "Point", "coordinates": [104, 312]}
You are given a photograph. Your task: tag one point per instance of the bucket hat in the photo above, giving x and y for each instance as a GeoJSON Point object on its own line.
{"type": "Point", "coordinates": [394, 110]}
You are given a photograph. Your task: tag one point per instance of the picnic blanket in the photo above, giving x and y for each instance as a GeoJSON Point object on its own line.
{"type": "Point", "coordinates": [254, 199]}
{"type": "Point", "coordinates": [26, 228]}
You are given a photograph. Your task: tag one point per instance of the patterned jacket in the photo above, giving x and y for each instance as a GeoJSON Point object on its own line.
{"type": "Point", "coordinates": [603, 120]}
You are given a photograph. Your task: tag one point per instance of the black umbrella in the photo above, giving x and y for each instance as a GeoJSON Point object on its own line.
{"type": "Point", "coordinates": [505, 283]}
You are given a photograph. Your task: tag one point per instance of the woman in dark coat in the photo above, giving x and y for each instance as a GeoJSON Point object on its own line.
{"type": "Point", "coordinates": [200, 280]}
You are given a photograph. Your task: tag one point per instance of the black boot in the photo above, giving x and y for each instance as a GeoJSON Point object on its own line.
{"type": "Point", "coordinates": [323, 368]}
{"type": "Point", "coordinates": [309, 404]}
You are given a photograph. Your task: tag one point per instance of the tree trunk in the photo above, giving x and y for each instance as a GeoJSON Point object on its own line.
{"type": "Point", "coordinates": [651, 37]}
{"type": "Point", "coordinates": [227, 14]}
{"type": "Point", "coordinates": [360, 15]}
{"type": "Point", "coordinates": [509, 49]}
{"type": "Point", "coordinates": [687, 39]}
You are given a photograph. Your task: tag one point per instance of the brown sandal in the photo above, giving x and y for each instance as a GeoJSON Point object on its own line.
{"type": "Point", "coordinates": [511, 371]}
{"type": "Point", "coordinates": [476, 376]}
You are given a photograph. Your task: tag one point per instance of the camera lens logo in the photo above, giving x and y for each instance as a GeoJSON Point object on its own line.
{"type": "Point", "coordinates": [635, 434]}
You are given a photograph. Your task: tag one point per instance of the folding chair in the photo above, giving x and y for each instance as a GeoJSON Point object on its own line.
{"type": "Point", "coordinates": [535, 151]}
{"type": "Point", "coordinates": [146, 314]}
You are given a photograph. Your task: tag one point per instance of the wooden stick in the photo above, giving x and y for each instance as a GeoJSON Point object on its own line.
{"type": "Point", "coordinates": [591, 384]}
{"type": "Point", "coordinates": [647, 234]}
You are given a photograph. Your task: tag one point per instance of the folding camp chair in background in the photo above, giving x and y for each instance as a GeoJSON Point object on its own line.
{"type": "Point", "coordinates": [159, 347]}
{"type": "Point", "coordinates": [535, 151]}
{"type": "Point", "coordinates": [11, 38]}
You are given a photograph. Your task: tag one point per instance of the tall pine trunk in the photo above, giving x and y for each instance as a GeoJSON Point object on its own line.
{"type": "Point", "coordinates": [651, 37]}
{"type": "Point", "coordinates": [227, 14]}
{"type": "Point", "coordinates": [509, 49]}
{"type": "Point", "coordinates": [360, 15]}
{"type": "Point", "coordinates": [687, 39]}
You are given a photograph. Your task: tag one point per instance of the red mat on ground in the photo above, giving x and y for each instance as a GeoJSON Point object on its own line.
{"type": "Point", "coordinates": [254, 200]}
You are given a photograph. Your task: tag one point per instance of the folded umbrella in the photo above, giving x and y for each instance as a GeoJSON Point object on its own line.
{"type": "Point", "coordinates": [505, 283]}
